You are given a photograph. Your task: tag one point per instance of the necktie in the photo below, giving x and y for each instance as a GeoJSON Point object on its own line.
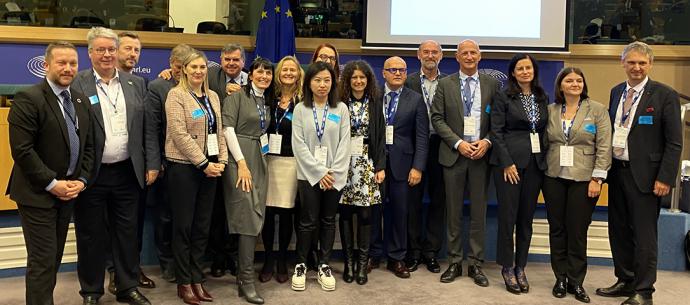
{"type": "Point", "coordinates": [71, 123]}
{"type": "Point", "coordinates": [391, 106]}
{"type": "Point", "coordinates": [627, 104]}
{"type": "Point", "coordinates": [468, 95]}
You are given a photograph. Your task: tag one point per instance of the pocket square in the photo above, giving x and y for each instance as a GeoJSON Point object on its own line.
{"type": "Point", "coordinates": [649, 109]}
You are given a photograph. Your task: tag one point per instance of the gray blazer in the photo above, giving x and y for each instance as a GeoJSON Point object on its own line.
{"type": "Point", "coordinates": [447, 113]}
{"type": "Point", "coordinates": [217, 82]}
{"type": "Point", "coordinates": [134, 91]}
{"type": "Point", "coordinates": [590, 136]}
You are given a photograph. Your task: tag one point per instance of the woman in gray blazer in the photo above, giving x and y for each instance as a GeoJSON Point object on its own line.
{"type": "Point", "coordinates": [578, 158]}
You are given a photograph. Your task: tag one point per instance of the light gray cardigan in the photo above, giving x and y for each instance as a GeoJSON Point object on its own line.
{"type": "Point", "coordinates": [336, 137]}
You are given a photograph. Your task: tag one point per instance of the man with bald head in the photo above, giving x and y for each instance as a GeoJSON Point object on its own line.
{"type": "Point", "coordinates": [460, 115]}
{"type": "Point", "coordinates": [423, 247]}
{"type": "Point", "coordinates": [407, 137]}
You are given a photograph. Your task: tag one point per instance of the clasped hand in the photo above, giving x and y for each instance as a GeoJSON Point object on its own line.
{"type": "Point", "coordinates": [67, 190]}
{"type": "Point", "coordinates": [473, 150]}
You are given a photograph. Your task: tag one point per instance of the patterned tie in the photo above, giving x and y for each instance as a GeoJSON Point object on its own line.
{"type": "Point", "coordinates": [468, 95]}
{"type": "Point", "coordinates": [71, 123]}
{"type": "Point", "coordinates": [627, 104]}
{"type": "Point", "coordinates": [391, 106]}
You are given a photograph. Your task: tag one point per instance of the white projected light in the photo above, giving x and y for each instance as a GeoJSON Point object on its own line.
{"type": "Point", "coordinates": [496, 24]}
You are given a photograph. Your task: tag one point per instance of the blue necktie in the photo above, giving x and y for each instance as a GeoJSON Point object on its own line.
{"type": "Point", "coordinates": [71, 123]}
{"type": "Point", "coordinates": [468, 96]}
{"type": "Point", "coordinates": [391, 106]}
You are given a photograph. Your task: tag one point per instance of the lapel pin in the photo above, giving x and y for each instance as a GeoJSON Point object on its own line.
{"type": "Point", "coordinates": [129, 82]}
{"type": "Point", "coordinates": [650, 109]}
{"type": "Point", "coordinates": [79, 101]}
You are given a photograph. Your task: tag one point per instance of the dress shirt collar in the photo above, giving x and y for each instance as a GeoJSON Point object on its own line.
{"type": "Point", "coordinates": [240, 79]}
{"type": "Point", "coordinates": [57, 89]}
{"type": "Point", "coordinates": [100, 79]}
{"type": "Point", "coordinates": [639, 86]}
{"type": "Point", "coordinates": [464, 76]}
{"type": "Point", "coordinates": [423, 76]}
{"type": "Point", "coordinates": [387, 90]}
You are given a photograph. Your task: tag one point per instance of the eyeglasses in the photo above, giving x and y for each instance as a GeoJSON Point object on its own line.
{"type": "Point", "coordinates": [101, 51]}
{"type": "Point", "coordinates": [395, 70]}
{"type": "Point", "coordinates": [325, 57]}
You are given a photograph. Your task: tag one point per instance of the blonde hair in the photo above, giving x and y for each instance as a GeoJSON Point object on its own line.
{"type": "Point", "coordinates": [296, 88]}
{"type": "Point", "coordinates": [184, 82]}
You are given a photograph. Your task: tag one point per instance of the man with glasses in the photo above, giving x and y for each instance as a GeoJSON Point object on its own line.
{"type": "Point", "coordinates": [118, 173]}
{"type": "Point", "coordinates": [407, 140]}
{"type": "Point", "coordinates": [423, 247]}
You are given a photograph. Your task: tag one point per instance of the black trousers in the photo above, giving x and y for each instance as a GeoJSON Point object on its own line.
{"type": "Point", "coordinates": [222, 248]}
{"type": "Point", "coordinates": [633, 231]}
{"type": "Point", "coordinates": [158, 193]}
{"type": "Point", "coordinates": [516, 205]}
{"type": "Point", "coordinates": [318, 208]}
{"type": "Point", "coordinates": [363, 226]}
{"type": "Point", "coordinates": [425, 236]}
{"type": "Point", "coordinates": [569, 211]}
{"type": "Point", "coordinates": [108, 212]}
{"type": "Point", "coordinates": [191, 200]}
{"type": "Point", "coordinates": [285, 227]}
{"type": "Point", "coordinates": [395, 203]}
{"type": "Point", "coordinates": [45, 232]}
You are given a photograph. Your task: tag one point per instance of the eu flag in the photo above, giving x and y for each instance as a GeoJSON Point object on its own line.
{"type": "Point", "coordinates": [276, 36]}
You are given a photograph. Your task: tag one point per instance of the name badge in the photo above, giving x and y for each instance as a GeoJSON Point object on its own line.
{"type": "Point", "coordinates": [488, 109]}
{"type": "Point", "coordinates": [275, 143]}
{"type": "Point", "coordinates": [321, 154]}
{"type": "Point", "coordinates": [567, 153]}
{"type": "Point", "coordinates": [620, 137]}
{"type": "Point", "coordinates": [197, 113]}
{"type": "Point", "coordinates": [534, 141]}
{"type": "Point", "coordinates": [289, 116]}
{"type": "Point", "coordinates": [389, 134]}
{"type": "Point", "coordinates": [94, 99]}
{"type": "Point", "coordinates": [264, 143]}
{"type": "Point", "coordinates": [591, 128]}
{"type": "Point", "coordinates": [469, 126]}
{"type": "Point", "coordinates": [356, 146]}
{"type": "Point", "coordinates": [118, 124]}
{"type": "Point", "coordinates": [212, 144]}
{"type": "Point", "coordinates": [334, 117]}
{"type": "Point", "coordinates": [645, 120]}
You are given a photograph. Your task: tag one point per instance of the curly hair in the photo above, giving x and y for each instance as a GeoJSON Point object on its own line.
{"type": "Point", "coordinates": [345, 89]}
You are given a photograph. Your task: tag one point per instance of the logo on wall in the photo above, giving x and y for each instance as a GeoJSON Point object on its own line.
{"type": "Point", "coordinates": [36, 66]}
{"type": "Point", "coordinates": [498, 75]}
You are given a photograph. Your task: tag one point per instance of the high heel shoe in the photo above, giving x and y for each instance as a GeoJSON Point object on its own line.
{"type": "Point", "coordinates": [522, 279]}
{"type": "Point", "coordinates": [510, 280]}
{"type": "Point", "coordinates": [248, 292]}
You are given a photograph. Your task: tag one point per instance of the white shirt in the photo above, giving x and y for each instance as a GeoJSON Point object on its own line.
{"type": "Point", "coordinates": [112, 100]}
{"type": "Point", "coordinates": [619, 112]}
{"type": "Point", "coordinates": [430, 87]}
{"type": "Point", "coordinates": [241, 78]}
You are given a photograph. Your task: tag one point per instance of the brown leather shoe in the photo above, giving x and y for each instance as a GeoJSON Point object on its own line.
{"type": "Point", "coordinates": [398, 268]}
{"type": "Point", "coordinates": [145, 281]}
{"type": "Point", "coordinates": [372, 264]}
{"type": "Point", "coordinates": [187, 295]}
{"type": "Point", "coordinates": [201, 293]}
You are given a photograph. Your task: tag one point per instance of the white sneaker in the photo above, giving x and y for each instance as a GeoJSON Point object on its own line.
{"type": "Point", "coordinates": [326, 278]}
{"type": "Point", "coordinates": [299, 277]}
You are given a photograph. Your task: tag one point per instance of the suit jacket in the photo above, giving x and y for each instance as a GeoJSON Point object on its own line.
{"type": "Point", "coordinates": [40, 144]}
{"type": "Point", "coordinates": [510, 129]}
{"type": "Point", "coordinates": [590, 138]}
{"type": "Point", "coordinates": [411, 135]}
{"type": "Point", "coordinates": [448, 113]}
{"type": "Point", "coordinates": [414, 81]}
{"type": "Point", "coordinates": [155, 121]}
{"type": "Point", "coordinates": [377, 133]}
{"type": "Point", "coordinates": [134, 92]}
{"type": "Point", "coordinates": [217, 83]}
{"type": "Point", "coordinates": [654, 149]}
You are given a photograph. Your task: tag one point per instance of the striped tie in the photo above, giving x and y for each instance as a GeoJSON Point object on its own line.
{"type": "Point", "coordinates": [71, 123]}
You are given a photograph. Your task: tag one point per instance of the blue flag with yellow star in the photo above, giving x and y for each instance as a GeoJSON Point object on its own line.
{"type": "Point", "coordinates": [276, 36]}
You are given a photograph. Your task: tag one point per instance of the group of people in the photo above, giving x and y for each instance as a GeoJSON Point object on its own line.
{"type": "Point", "coordinates": [225, 151]}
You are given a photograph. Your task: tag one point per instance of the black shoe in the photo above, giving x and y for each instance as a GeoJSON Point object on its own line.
{"type": "Point", "coordinates": [509, 278]}
{"type": "Point", "coordinates": [111, 283]}
{"type": "Point", "coordinates": [217, 268]}
{"type": "Point", "coordinates": [432, 265]}
{"type": "Point", "coordinates": [453, 271]}
{"type": "Point", "coordinates": [619, 289]}
{"type": "Point", "coordinates": [349, 271]}
{"type": "Point", "coordinates": [90, 300]}
{"type": "Point", "coordinates": [476, 273]}
{"type": "Point", "coordinates": [559, 289]}
{"type": "Point", "coordinates": [134, 297]}
{"type": "Point", "coordinates": [145, 281]}
{"type": "Point", "coordinates": [638, 299]}
{"type": "Point", "coordinates": [580, 293]}
{"type": "Point", "coordinates": [412, 264]}
{"type": "Point", "coordinates": [522, 279]}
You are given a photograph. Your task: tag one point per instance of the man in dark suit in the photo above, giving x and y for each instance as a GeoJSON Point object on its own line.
{"type": "Point", "coordinates": [154, 105]}
{"type": "Point", "coordinates": [119, 174]}
{"type": "Point", "coordinates": [460, 114]}
{"type": "Point", "coordinates": [647, 142]}
{"type": "Point", "coordinates": [229, 77]}
{"type": "Point", "coordinates": [423, 247]}
{"type": "Point", "coordinates": [52, 148]}
{"type": "Point", "coordinates": [407, 143]}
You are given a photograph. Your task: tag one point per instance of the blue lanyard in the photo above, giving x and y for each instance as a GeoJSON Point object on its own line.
{"type": "Point", "coordinates": [282, 117]}
{"type": "Point", "coordinates": [467, 99]}
{"type": "Point", "coordinates": [320, 131]}
{"type": "Point", "coordinates": [262, 114]}
{"type": "Point", "coordinates": [392, 109]}
{"type": "Point", "coordinates": [427, 96]}
{"type": "Point", "coordinates": [206, 107]}
{"type": "Point", "coordinates": [566, 132]}
{"type": "Point", "coordinates": [357, 118]}
{"type": "Point", "coordinates": [624, 116]}
{"type": "Point", "coordinates": [114, 104]}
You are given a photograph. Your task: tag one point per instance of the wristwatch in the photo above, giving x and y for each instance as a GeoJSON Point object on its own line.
{"type": "Point", "coordinates": [598, 180]}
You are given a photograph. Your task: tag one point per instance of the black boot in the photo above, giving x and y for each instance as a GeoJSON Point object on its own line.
{"type": "Point", "coordinates": [363, 236]}
{"type": "Point", "coordinates": [346, 240]}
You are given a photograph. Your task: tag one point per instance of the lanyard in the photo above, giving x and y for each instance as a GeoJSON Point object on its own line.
{"type": "Point", "coordinates": [566, 132]}
{"type": "Point", "coordinates": [624, 116]}
{"type": "Point", "coordinates": [206, 106]}
{"type": "Point", "coordinates": [262, 113]}
{"type": "Point", "coordinates": [282, 117]}
{"type": "Point", "coordinates": [105, 93]}
{"type": "Point", "coordinates": [468, 100]}
{"type": "Point", "coordinates": [320, 131]}
{"type": "Point", "coordinates": [392, 109]}
{"type": "Point", "coordinates": [532, 110]}
{"type": "Point", "coordinates": [427, 95]}
{"type": "Point", "coordinates": [357, 118]}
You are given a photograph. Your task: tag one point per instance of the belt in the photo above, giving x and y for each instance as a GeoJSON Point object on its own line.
{"type": "Point", "coordinates": [115, 164]}
{"type": "Point", "coordinates": [621, 163]}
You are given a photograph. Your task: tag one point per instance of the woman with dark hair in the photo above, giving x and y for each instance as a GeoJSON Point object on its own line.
{"type": "Point", "coordinates": [578, 157]}
{"type": "Point", "coordinates": [518, 121]}
{"type": "Point", "coordinates": [282, 168]}
{"type": "Point", "coordinates": [358, 90]}
{"type": "Point", "coordinates": [246, 118]}
{"type": "Point", "coordinates": [327, 53]}
{"type": "Point", "coordinates": [321, 142]}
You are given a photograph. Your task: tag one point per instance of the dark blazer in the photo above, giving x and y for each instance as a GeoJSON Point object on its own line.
{"type": "Point", "coordinates": [448, 113]}
{"type": "Point", "coordinates": [654, 149]}
{"type": "Point", "coordinates": [134, 92]}
{"type": "Point", "coordinates": [414, 81]}
{"type": "Point", "coordinates": [217, 83]}
{"type": "Point", "coordinates": [510, 129]}
{"type": "Point", "coordinates": [411, 136]}
{"type": "Point", "coordinates": [40, 144]}
{"type": "Point", "coordinates": [155, 121]}
{"type": "Point", "coordinates": [377, 133]}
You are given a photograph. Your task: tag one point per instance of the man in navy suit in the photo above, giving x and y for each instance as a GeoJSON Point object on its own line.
{"type": "Point", "coordinates": [647, 142]}
{"type": "Point", "coordinates": [407, 143]}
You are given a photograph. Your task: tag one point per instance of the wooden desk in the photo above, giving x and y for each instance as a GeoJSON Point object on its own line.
{"type": "Point", "coordinates": [5, 161]}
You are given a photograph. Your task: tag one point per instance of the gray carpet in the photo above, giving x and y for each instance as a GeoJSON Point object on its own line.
{"type": "Point", "coordinates": [383, 288]}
